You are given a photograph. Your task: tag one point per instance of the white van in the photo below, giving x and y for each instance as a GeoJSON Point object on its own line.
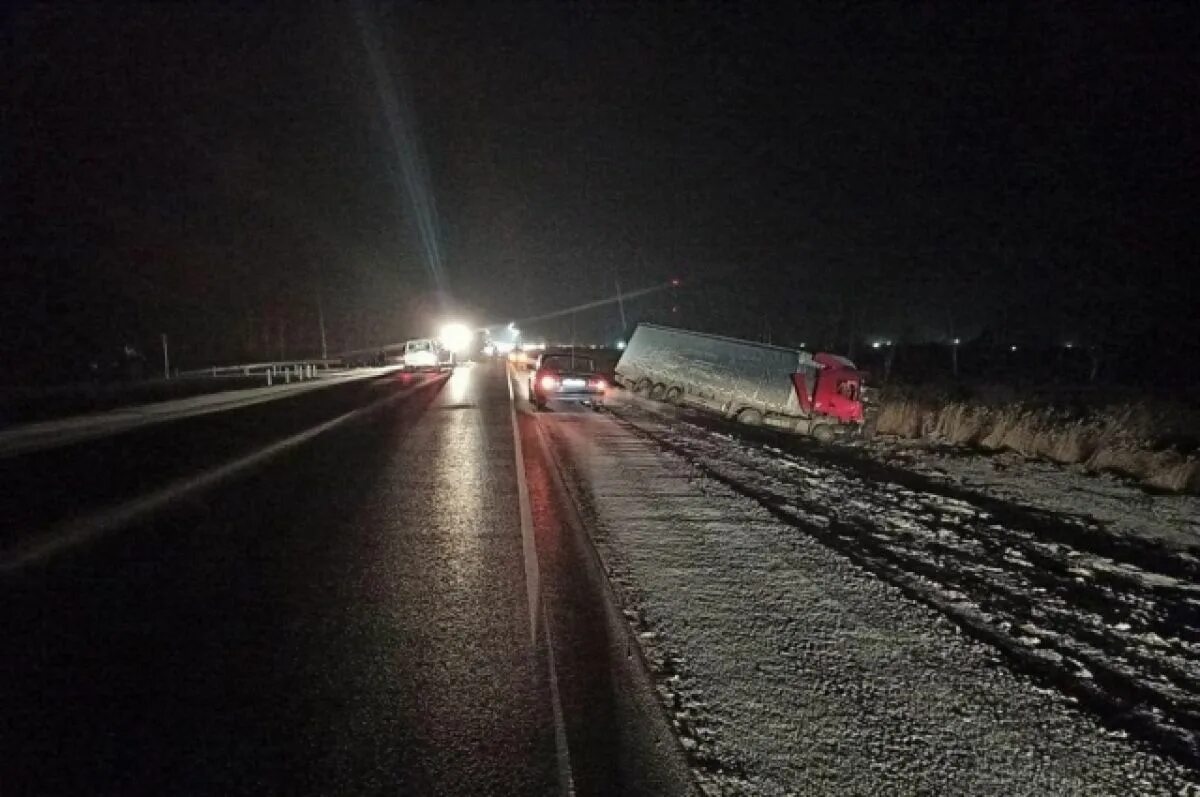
{"type": "Point", "coordinates": [422, 354]}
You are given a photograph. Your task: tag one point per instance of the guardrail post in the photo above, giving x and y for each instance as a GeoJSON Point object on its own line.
{"type": "Point", "coordinates": [268, 372]}
{"type": "Point", "coordinates": [287, 376]}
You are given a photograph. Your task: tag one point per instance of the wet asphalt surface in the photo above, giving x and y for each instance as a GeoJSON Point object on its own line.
{"type": "Point", "coordinates": [350, 617]}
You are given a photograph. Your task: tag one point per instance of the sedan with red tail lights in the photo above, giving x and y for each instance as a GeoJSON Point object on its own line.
{"type": "Point", "coordinates": [566, 376]}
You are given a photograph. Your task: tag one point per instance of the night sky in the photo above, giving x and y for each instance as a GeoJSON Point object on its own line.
{"type": "Point", "coordinates": [908, 171]}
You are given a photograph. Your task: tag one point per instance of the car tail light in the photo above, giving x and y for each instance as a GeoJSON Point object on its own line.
{"type": "Point", "coordinates": [549, 382]}
{"type": "Point", "coordinates": [598, 384]}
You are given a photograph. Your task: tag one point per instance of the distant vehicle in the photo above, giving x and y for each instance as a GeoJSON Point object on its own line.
{"type": "Point", "coordinates": [422, 354]}
{"type": "Point", "coordinates": [753, 383]}
{"type": "Point", "coordinates": [567, 375]}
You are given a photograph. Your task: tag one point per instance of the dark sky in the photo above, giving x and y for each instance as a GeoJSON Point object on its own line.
{"type": "Point", "coordinates": [205, 170]}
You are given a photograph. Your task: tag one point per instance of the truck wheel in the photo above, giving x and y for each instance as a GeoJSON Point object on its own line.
{"type": "Point", "coordinates": [656, 392]}
{"type": "Point", "coordinates": [642, 386]}
{"type": "Point", "coordinates": [674, 394]}
{"type": "Point", "coordinates": [823, 433]}
{"type": "Point", "coordinates": [750, 417]}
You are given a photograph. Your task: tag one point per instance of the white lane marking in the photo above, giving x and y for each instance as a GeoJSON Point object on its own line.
{"type": "Point", "coordinates": [75, 532]}
{"type": "Point", "coordinates": [566, 779]}
{"type": "Point", "coordinates": [533, 583]}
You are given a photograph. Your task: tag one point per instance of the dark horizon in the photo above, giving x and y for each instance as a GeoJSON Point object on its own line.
{"type": "Point", "coordinates": [909, 172]}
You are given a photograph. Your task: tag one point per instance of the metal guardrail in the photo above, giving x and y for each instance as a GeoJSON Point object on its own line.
{"type": "Point", "coordinates": [284, 371]}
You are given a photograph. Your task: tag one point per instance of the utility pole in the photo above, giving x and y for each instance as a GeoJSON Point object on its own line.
{"type": "Point", "coordinates": [166, 358]}
{"type": "Point", "coordinates": [321, 322]}
{"type": "Point", "coordinates": [853, 322]}
{"type": "Point", "coordinates": [621, 305]}
{"type": "Point", "coordinates": [953, 342]}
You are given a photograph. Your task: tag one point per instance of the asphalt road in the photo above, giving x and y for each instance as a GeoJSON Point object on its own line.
{"type": "Point", "coordinates": [339, 604]}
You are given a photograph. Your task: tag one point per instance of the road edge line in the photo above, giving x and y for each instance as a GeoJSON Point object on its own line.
{"type": "Point", "coordinates": [533, 583]}
{"type": "Point", "coordinates": [615, 607]}
{"type": "Point", "coordinates": [562, 749]}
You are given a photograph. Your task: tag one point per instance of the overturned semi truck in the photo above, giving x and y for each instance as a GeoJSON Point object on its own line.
{"type": "Point", "coordinates": [755, 383]}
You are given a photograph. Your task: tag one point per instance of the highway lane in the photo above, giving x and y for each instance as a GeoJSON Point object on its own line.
{"type": "Point", "coordinates": [60, 431]}
{"type": "Point", "coordinates": [349, 617]}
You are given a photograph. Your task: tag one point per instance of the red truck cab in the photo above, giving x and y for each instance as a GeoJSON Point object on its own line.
{"type": "Point", "coordinates": [836, 391]}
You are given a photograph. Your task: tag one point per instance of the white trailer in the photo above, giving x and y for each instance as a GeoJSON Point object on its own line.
{"type": "Point", "coordinates": [754, 383]}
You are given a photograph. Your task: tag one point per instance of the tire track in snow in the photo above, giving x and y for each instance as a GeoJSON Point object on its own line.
{"type": "Point", "coordinates": [1121, 639]}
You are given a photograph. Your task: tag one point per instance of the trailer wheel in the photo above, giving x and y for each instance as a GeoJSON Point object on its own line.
{"type": "Point", "coordinates": [642, 386]}
{"type": "Point", "coordinates": [674, 394]}
{"type": "Point", "coordinates": [750, 417]}
{"type": "Point", "coordinates": [823, 433]}
{"type": "Point", "coordinates": [656, 392]}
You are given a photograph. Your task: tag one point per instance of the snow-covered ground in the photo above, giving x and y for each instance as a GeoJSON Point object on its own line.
{"type": "Point", "coordinates": [816, 629]}
{"type": "Point", "coordinates": [1111, 504]}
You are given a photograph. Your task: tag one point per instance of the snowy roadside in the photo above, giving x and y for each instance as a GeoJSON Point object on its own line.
{"type": "Point", "coordinates": [1112, 504]}
{"type": "Point", "coordinates": [792, 668]}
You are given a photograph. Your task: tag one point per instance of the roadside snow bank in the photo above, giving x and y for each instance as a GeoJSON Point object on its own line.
{"type": "Point", "coordinates": [1102, 502]}
{"type": "Point", "coordinates": [790, 669]}
{"type": "Point", "coordinates": [1141, 441]}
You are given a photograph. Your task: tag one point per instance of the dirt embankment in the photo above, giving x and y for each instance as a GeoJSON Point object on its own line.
{"type": "Point", "coordinates": [1153, 442]}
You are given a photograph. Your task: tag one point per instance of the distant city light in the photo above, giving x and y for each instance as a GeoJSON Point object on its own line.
{"type": "Point", "coordinates": [1069, 345]}
{"type": "Point", "coordinates": [875, 344]}
{"type": "Point", "coordinates": [1012, 348]}
{"type": "Point", "coordinates": [621, 345]}
{"type": "Point", "coordinates": [957, 341]}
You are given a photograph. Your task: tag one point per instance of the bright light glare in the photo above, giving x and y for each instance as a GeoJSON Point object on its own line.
{"type": "Point", "coordinates": [620, 345]}
{"type": "Point", "coordinates": [456, 337]}
{"type": "Point", "coordinates": [549, 383]}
